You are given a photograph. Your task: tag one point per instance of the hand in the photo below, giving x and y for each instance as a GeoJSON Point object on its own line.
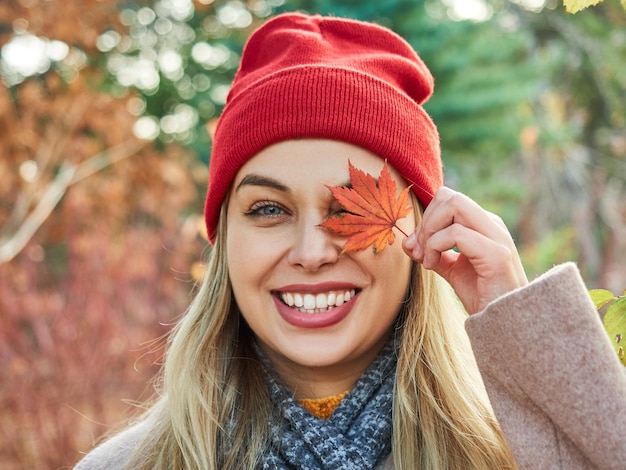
{"type": "Point", "coordinates": [484, 264]}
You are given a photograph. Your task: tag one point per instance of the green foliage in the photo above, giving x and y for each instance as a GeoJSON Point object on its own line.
{"type": "Point", "coordinates": [556, 246]}
{"type": "Point", "coordinates": [369, 10]}
{"type": "Point", "coordinates": [480, 91]}
{"type": "Point", "coordinates": [614, 318]}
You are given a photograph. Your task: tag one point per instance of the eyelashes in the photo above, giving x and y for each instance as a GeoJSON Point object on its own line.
{"type": "Point", "coordinates": [268, 209]}
{"type": "Point", "coordinates": [271, 209]}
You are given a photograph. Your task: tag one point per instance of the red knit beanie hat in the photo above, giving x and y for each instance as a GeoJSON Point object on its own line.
{"type": "Point", "coordinates": [312, 76]}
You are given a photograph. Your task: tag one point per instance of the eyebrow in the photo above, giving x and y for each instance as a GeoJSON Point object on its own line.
{"type": "Point", "coordinates": [265, 181]}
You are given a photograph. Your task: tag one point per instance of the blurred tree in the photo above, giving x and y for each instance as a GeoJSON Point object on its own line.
{"type": "Point", "coordinates": [484, 84]}
{"type": "Point", "coordinates": [96, 248]}
{"type": "Point", "coordinates": [574, 154]}
{"type": "Point", "coordinates": [56, 125]}
{"type": "Point", "coordinates": [180, 57]}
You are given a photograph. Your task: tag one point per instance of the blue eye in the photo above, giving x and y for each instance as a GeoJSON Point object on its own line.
{"type": "Point", "coordinates": [266, 209]}
{"type": "Point", "coordinates": [270, 211]}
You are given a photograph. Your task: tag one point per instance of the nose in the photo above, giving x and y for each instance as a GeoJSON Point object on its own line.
{"type": "Point", "coordinates": [314, 247]}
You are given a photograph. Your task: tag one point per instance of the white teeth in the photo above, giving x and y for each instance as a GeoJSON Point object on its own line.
{"type": "Point", "coordinates": [310, 303]}
{"type": "Point", "coordinates": [321, 301]}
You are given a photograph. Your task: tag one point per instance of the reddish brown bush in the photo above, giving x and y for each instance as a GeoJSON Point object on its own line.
{"type": "Point", "coordinates": [82, 305]}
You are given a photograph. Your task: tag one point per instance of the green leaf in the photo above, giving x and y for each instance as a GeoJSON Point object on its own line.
{"type": "Point", "coordinates": [573, 6]}
{"type": "Point", "coordinates": [615, 325]}
{"type": "Point", "coordinates": [601, 297]}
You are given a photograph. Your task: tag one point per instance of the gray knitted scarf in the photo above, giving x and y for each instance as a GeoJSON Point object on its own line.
{"type": "Point", "coordinates": [356, 436]}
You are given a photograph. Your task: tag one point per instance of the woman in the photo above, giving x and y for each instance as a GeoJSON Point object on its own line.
{"type": "Point", "coordinates": [296, 354]}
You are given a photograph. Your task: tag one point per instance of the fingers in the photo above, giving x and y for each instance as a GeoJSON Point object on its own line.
{"type": "Point", "coordinates": [453, 220]}
{"type": "Point", "coordinates": [450, 208]}
{"type": "Point", "coordinates": [468, 246]}
{"type": "Point", "coordinates": [464, 240]}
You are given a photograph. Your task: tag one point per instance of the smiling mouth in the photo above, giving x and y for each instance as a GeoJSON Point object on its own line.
{"type": "Point", "coordinates": [316, 303]}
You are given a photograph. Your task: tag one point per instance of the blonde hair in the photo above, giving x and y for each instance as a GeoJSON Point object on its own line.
{"type": "Point", "coordinates": [215, 408]}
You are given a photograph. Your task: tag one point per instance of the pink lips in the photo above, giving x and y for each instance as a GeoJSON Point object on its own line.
{"type": "Point", "coordinates": [317, 320]}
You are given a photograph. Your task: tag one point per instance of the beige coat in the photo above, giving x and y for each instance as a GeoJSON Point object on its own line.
{"type": "Point", "coordinates": [554, 381]}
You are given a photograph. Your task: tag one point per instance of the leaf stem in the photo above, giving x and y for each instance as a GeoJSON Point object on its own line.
{"type": "Point", "coordinates": [401, 231]}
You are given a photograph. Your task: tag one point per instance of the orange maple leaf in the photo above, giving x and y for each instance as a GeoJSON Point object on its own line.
{"type": "Point", "coordinates": [372, 210]}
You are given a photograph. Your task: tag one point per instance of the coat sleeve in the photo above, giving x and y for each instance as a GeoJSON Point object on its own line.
{"type": "Point", "coordinates": [115, 453]}
{"type": "Point", "coordinates": [553, 378]}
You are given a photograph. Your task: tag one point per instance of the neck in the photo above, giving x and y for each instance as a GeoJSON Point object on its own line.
{"type": "Point", "coordinates": [321, 381]}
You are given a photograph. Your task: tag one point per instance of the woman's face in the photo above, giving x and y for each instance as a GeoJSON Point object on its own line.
{"type": "Point", "coordinates": [316, 312]}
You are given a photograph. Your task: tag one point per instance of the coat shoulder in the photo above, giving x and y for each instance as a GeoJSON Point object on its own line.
{"type": "Point", "coordinates": [116, 452]}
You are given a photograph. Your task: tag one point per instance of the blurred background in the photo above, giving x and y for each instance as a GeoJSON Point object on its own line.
{"type": "Point", "coordinates": [106, 114]}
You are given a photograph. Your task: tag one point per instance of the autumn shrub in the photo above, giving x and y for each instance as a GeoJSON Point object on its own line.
{"type": "Point", "coordinates": [84, 307]}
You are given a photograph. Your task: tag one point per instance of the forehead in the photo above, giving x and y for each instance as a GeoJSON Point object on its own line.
{"type": "Point", "coordinates": [309, 161]}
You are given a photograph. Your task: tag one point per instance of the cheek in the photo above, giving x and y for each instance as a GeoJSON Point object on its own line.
{"type": "Point", "coordinates": [398, 272]}
{"type": "Point", "coordinates": [236, 254]}
{"type": "Point", "coordinates": [251, 257]}
{"type": "Point", "coordinates": [390, 272]}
